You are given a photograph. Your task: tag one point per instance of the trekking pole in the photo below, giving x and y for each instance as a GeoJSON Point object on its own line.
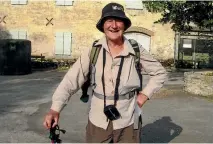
{"type": "Point", "coordinates": [55, 134]}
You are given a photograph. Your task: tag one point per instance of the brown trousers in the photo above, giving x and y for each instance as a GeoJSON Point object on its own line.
{"type": "Point", "coordinates": [125, 135]}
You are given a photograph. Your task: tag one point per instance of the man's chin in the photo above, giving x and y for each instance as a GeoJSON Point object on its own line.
{"type": "Point", "coordinates": [115, 37]}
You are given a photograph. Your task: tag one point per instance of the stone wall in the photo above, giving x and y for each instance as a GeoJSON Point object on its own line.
{"type": "Point", "coordinates": [199, 83]}
{"type": "Point", "coordinates": [79, 19]}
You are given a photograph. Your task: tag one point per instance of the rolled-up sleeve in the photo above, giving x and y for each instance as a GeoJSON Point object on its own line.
{"type": "Point", "coordinates": [155, 70]}
{"type": "Point", "coordinates": [72, 82]}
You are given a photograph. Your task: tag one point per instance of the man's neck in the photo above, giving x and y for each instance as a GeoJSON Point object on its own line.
{"type": "Point", "coordinates": [115, 47]}
{"type": "Point", "coordinates": [115, 44]}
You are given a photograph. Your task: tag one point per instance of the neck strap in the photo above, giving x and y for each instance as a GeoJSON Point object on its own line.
{"type": "Point", "coordinates": [116, 94]}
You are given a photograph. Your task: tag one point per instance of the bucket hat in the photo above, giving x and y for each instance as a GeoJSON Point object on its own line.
{"type": "Point", "coordinates": [113, 10]}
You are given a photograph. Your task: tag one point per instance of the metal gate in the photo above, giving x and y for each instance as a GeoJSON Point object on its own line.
{"type": "Point", "coordinates": [195, 51]}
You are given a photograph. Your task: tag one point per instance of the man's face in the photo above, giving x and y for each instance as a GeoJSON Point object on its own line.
{"type": "Point", "coordinates": [113, 29]}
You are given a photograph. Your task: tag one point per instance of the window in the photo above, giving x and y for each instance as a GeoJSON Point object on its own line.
{"type": "Point", "coordinates": [18, 34]}
{"type": "Point", "coordinates": [63, 43]}
{"type": "Point", "coordinates": [134, 4]}
{"type": "Point", "coordinates": [19, 2]}
{"type": "Point", "coordinates": [187, 43]}
{"type": "Point", "coordinates": [64, 2]}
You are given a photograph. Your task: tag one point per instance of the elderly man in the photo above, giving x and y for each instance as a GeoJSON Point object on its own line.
{"type": "Point", "coordinates": [115, 78]}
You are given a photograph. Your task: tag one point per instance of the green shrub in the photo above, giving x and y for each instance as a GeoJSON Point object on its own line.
{"type": "Point", "coordinates": [167, 63]}
{"type": "Point", "coordinates": [209, 74]}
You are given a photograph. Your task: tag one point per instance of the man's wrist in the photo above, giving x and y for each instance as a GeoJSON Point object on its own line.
{"type": "Point", "coordinates": [143, 96]}
{"type": "Point", "coordinates": [141, 99]}
{"type": "Point", "coordinates": [54, 111]}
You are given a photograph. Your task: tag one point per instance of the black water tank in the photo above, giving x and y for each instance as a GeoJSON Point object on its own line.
{"type": "Point", "coordinates": [15, 57]}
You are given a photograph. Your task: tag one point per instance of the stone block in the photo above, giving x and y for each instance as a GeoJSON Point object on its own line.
{"type": "Point", "coordinates": [199, 83]}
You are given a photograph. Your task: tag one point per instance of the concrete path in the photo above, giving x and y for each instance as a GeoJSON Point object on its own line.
{"type": "Point", "coordinates": [171, 116]}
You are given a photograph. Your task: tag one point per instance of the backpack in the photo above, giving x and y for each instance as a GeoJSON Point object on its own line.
{"type": "Point", "coordinates": [93, 59]}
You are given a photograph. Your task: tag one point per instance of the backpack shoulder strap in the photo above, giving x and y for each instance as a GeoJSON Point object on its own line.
{"type": "Point", "coordinates": [91, 77]}
{"type": "Point", "coordinates": [135, 46]}
{"type": "Point", "coordinates": [94, 53]}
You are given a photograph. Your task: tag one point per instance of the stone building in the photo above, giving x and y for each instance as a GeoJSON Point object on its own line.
{"type": "Point", "coordinates": [64, 28]}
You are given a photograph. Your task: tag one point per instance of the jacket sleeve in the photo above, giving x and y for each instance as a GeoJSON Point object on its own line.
{"type": "Point", "coordinates": [72, 82]}
{"type": "Point", "coordinates": [155, 70]}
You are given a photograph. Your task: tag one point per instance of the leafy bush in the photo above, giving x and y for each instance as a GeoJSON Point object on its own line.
{"type": "Point", "coordinates": [167, 63]}
{"type": "Point", "coordinates": [65, 63]}
{"type": "Point", "coordinates": [184, 64]}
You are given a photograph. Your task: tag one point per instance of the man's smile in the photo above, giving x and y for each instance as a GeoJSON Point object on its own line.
{"type": "Point", "coordinates": [114, 31]}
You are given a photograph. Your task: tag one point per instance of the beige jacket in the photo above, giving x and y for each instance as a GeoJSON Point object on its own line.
{"type": "Point", "coordinates": [77, 75]}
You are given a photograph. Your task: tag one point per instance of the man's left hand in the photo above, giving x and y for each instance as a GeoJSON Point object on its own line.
{"type": "Point", "coordinates": [141, 99]}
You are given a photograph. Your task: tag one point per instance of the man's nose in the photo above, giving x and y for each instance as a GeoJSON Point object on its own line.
{"type": "Point", "coordinates": [114, 24]}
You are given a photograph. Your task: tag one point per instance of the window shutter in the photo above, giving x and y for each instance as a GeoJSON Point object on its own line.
{"type": "Point", "coordinates": [67, 43]}
{"type": "Point", "coordinates": [59, 39]}
{"type": "Point", "coordinates": [14, 1]}
{"type": "Point", "coordinates": [22, 35]}
{"type": "Point", "coordinates": [68, 2]}
{"type": "Point", "coordinates": [134, 4]}
{"type": "Point", "coordinates": [60, 2]}
{"type": "Point", "coordinates": [14, 34]}
{"type": "Point", "coordinates": [23, 2]}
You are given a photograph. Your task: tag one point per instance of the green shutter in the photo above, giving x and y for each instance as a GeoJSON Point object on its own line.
{"type": "Point", "coordinates": [59, 43]}
{"type": "Point", "coordinates": [134, 4]}
{"type": "Point", "coordinates": [14, 1]}
{"type": "Point", "coordinates": [22, 34]}
{"type": "Point", "coordinates": [67, 43]}
{"type": "Point", "coordinates": [14, 34]}
{"type": "Point", "coordinates": [19, 2]}
{"type": "Point", "coordinates": [22, 2]}
{"type": "Point", "coordinates": [59, 2]}
{"type": "Point", "coordinates": [68, 2]}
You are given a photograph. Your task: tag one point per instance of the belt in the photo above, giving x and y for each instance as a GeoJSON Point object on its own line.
{"type": "Point", "coordinates": [121, 97]}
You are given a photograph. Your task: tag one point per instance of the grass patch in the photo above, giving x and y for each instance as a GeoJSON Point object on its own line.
{"type": "Point", "coordinates": [209, 74]}
{"type": "Point", "coordinates": [63, 68]}
{"type": "Point", "coordinates": [178, 90]}
{"type": "Point", "coordinates": [209, 98]}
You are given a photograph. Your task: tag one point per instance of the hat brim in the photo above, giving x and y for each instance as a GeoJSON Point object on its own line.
{"type": "Point", "coordinates": [125, 19]}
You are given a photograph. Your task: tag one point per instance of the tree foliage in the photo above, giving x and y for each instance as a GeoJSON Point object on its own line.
{"type": "Point", "coordinates": [183, 15]}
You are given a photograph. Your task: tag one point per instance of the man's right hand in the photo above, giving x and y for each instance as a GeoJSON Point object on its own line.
{"type": "Point", "coordinates": [51, 115]}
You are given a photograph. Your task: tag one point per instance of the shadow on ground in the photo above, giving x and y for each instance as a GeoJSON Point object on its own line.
{"type": "Point", "coordinates": [160, 131]}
